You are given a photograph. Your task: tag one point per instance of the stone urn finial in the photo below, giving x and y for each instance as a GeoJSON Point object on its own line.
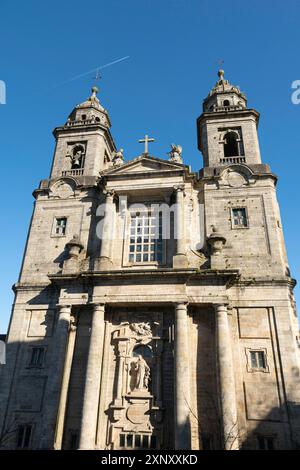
{"type": "Point", "coordinates": [216, 241]}
{"type": "Point", "coordinates": [74, 247]}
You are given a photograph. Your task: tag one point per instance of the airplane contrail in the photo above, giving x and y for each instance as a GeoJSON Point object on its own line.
{"type": "Point", "coordinates": [86, 73]}
{"type": "Point", "coordinates": [94, 70]}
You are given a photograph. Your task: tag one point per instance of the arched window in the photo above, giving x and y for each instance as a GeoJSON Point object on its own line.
{"type": "Point", "coordinates": [226, 103]}
{"type": "Point", "coordinates": [77, 157]}
{"type": "Point", "coordinates": [231, 146]}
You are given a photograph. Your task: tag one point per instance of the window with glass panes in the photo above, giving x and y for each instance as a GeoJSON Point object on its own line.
{"type": "Point", "coordinates": [258, 359]}
{"type": "Point", "coordinates": [239, 217]}
{"type": "Point", "coordinates": [146, 243]}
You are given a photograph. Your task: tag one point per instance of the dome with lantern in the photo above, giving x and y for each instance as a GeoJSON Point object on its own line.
{"type": "Point", "coordinates": [89, 112]}
{"type": "Point", "coordinates": [224, 97]}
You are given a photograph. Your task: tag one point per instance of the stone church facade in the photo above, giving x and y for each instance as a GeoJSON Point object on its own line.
{"type": "Point", "coordinates": [123, 336]}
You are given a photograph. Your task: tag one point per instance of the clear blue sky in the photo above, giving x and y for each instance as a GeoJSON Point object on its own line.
{"type": "Point", "coordinates": [174, 46]}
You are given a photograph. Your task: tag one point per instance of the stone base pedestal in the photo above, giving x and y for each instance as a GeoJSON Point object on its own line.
{"type": "Point", "coordinates": [71, 265]}
{"type": "Point", "coordinates": [180, 261]}
{"type": "Point", "coordinates": [217, 262]}
{"type": "Point", "coordinates": [105, 263]}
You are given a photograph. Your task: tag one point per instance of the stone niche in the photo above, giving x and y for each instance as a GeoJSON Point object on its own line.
{"type": "Point", "coordinates": [135, 414]}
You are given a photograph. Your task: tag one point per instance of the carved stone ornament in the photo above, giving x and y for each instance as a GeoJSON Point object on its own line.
{"type": "Point", "coordinates": [141, 329]}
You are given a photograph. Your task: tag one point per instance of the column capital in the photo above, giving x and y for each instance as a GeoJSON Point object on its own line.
{"type": "Point", "coordinates": [181, 305]}
{"type": "Point", "coordinates": [178, 188]}
{"type": "Point", "coordinates": [64, 309]}
{"type": "Point", "coordinates": [109, 193]}
{"type": "Point", "coordinates": [221, 306]}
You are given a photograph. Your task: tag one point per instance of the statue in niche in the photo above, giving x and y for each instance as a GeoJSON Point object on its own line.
{"type": "Point", "coordinates": [142, 374]}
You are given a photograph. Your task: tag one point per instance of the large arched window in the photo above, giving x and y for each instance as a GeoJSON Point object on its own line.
{"type": "Point", "coordinates": [231, 144]}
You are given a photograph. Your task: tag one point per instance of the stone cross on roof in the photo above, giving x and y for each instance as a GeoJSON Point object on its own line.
{"type": "Point", "coordinates": [146, 140]}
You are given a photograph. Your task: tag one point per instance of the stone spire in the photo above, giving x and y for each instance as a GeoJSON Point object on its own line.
{"type": "Point", "coordinates": [224, 96]}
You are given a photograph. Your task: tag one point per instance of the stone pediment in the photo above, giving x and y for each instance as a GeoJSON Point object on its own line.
{"type": "Point", "coordinates": [145, 164]}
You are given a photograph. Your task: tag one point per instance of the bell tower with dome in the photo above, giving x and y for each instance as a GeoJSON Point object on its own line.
{"type": "Point", "coordinates": [227, 129]}
{"type": "Point", "coordinates": [84, 145]}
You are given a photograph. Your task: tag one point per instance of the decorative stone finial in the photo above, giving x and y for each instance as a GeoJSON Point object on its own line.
{"type": "Point", "coordinates": [221, 74]}
{"type": "Point", "coordinates": [216, 241]}
{"type": "Point", "coordinates": [74, 247]}
{"type": "Point", "coordinates": [93, 96]}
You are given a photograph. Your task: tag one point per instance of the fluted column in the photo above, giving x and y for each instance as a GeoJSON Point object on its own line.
{"type": "Point", "coordinates": [107, 232]}
{"type": "Point", "coordinates": [182, 382]}
{"type": "Point", "coordinates": [92, 380]}
{"type": "Point", "coordinates": [180, 259]}
{"type": "Point", "coordinates": [226, 380]}
{"type": "Point", "coordinates": [54, 382]}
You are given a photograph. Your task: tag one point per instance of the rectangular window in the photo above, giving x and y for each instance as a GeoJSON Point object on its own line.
{"type": "Point", "coordinates": [265, 443]}
{"type": "Point", "coordinates": [37, 356]}
{"type": "Point", "coordinates": [258, 359]}
{"type": "Point", "coordinates": [239, 217]}
{"type": "Point", "coordinates": [146, 243]}
{"type": "Point", "coordinates": [60, 226]}
{"type": "Point", "coordinates": [23, 436]}
{"type": "Point", "coordinates": [137, 441]}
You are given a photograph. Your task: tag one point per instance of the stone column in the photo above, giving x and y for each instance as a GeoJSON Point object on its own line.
{"type": "Point", "coordinates": [182, 385]}
{"type": "Point", "coordinates": [180, 259]}
{"type": "Point", "coordinates": [227, 393]}
{"type": "Point", "coordinates": [65, 386]}
{"type": "Point", "coordinates": [55, 377]}
{"type": "Point", "coordinates": [108, 231]}
{"type": "Point", "coordinates": [88, 429]}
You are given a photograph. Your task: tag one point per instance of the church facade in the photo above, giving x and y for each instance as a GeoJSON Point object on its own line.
{"type": "Point", "coordinates": [154, 308]}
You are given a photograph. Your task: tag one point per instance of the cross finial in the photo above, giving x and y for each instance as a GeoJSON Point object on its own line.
{"type": "Point", "coordinates": [97, 76]}
{"type": "Point", "coordinates": [146, 140]}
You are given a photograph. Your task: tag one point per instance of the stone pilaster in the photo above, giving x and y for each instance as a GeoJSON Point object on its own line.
{"type": "Point", "coordinates": [182, 385]}
{"type": "Point", "coordinates": [55, 377]}
{"type": "Point", "coordinates": [108, 231]}
{"type": "Point", "coordinates": [92, 380]}
{"type": "Point", "coordinates": [226, 380]}
{"type": "Point", "coordinates": [180, 258]}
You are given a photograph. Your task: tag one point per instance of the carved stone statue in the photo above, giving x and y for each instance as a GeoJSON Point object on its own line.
{"type": "Point", "coordinates": [142, 329]}
{"type": "Point", "coordinates": [175, 153]}
{"type": "Point", "coordinates": [142, 374]}
{"type": "Point", "coordinates": [118, 157]}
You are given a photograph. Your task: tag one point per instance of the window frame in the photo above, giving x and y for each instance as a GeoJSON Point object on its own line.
{"type": "Point", "coordinates": [126, 250]}
{"type": "Point", "coordinates": [266, 437]}
{"type": "Point", "coordinates": [239, 227]}
{"type": "Point", "coordinates": [250, 368]}
{"type": "Point", "coordinates": [54, 226]}
{"type": "Point", "coordinates": [30, 365]}
{"type": "Point", "coordinates": [24, 425]}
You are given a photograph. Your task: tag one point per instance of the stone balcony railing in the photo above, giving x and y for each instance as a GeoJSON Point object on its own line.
{"type": "Point", "coordinates": [77, 172]}
{"type": "Point", "coordinates": [219, 109]}
{"type": "Point", "coordinates": [227, 160]}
